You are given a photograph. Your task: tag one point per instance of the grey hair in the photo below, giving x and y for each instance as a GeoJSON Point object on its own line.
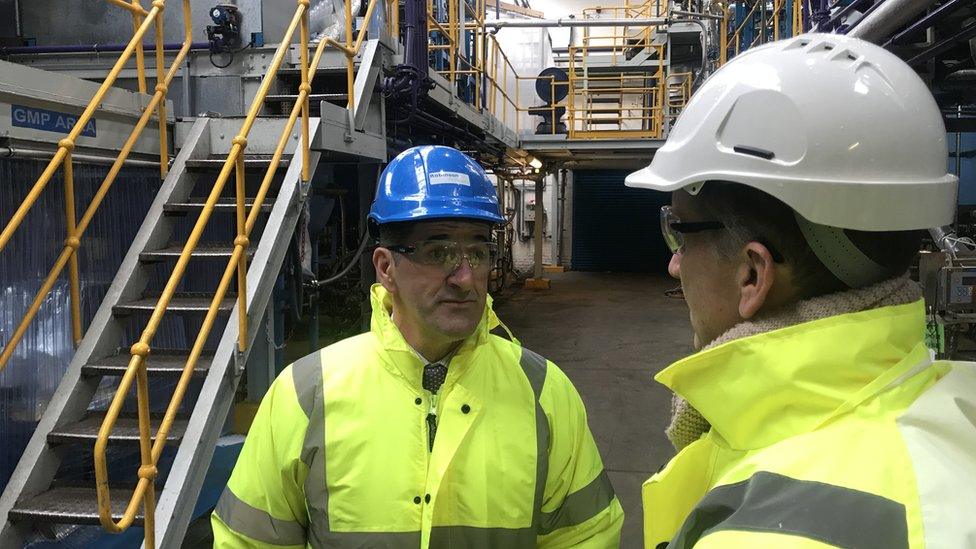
{"type": "Point", "coordinates": [750, 215]}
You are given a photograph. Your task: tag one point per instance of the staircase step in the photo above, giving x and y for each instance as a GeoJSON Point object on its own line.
{"type": "Point", "coordinates": [224, 205]}
{"type": "Point", "coordinates": [313, 98]}
{"type": "Point", "coordinates": [70, 505]}
{"type": "Point", "coordinates": [181, 303]}
{"type": "Point", "coordinates": [250, 163]}
{"type": "Point", "coordinates": [203, 251]}
{"type": "Point", "coordinates": [162, 362]}
{"type": "Point", "coordinates": [126, 430]}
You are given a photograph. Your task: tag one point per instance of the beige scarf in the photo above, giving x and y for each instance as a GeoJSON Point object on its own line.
{"type": "Point", "coordinates": [687, 425]}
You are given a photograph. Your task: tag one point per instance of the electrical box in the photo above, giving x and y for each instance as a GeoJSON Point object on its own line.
{"type": "Point", "coordinates": [958, 286]}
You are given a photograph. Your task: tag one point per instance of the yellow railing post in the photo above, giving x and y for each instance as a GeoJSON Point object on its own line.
{"type": "Point", "coordinates": [71, 242]}
{"type": "Point", "coordinates": [161, 88]}
{"type": "Point", "coordinates": [305, 89]}
{"type": "Point", "coordinates": [797, 17]}
{"type": "Point", "coordinates": [350, 79]}
{"type": "Point", "coordinates": [241, 243]}
{"type": "Point", "coordinates": [148, 471]}
{"type": "Point", "coordinates": [140, 55]}
{"type": "Point", "coordinates": [723, 49]}
{"type": "Point", "coordinates": [776, 6]}
{"type": "Point", "coordinates": [505, 83]}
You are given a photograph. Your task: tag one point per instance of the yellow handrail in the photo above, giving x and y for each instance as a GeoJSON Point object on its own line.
{"type": "Point", "coordinates": [144, 491]}
{"type": "Point", "coordinates": [778, 5]}
{"type": "Point", "coordinates": [63, 156]}
{"type": "Point", "coordinates": [351, 49]}
{"type": "Point", "coordinates": [133, 7]}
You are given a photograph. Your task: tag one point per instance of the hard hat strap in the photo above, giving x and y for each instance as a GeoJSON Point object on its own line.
{"type": "Point", "coordinates": [841, 256]}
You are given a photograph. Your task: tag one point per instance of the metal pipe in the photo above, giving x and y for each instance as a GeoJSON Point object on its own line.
{"type": "Point", "coordinates": [697, 14]}
{"type": "Point", "coordinates": [572, 22]}
{"type": "Point", "coordinates": [835, 19]}
{"type": "Point", "coordinates": [958, 144]}
{"type": "Point", "coordinates": [540, 216]}
{"type": "Point", "coordinates": [704, 49]}
{"type": "Point", "coordinates": [933, 17]}
{"type": "Point", "coordinates": [359, 252]}
{"type": "Point", "coordinates": [965, 33]}
{"type": "Point", "coordinates": [13, 152]}
{"type": "Point", "coordinates": [96, 48]}
{"type": "Point", "coordinates": [561, 219]}
{"type": "Point", "coordinates": [17, 23]}
{"type": "Point", "coordinates": [887, 18]}
{"type": "Point", "coordinates": [947, 241]}
{"type": "Point", "coordinates": [187, 100]}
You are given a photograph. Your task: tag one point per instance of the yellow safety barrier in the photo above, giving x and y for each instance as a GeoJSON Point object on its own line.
{"type": "Point", "coordinates": [75, 230]}
{"type": "Point", "coordinates": [621, 39]}
{"type": "Point", "coordinates": [473, 21]}
{"type": "Point", "coordinates": [151, 450]}
{"type": "Point", "coordinates": [641, 106]}
{"type": "Point", "coordinates": [727, 42]}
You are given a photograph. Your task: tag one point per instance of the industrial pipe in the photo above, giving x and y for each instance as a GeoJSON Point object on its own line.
{"type": "Point", "coordinates": [573, 22]}
{"type": "Point", "coordinates": [697, 14]}
{"type": "Point", "coordinates": [932, 18]}
{"type": "Point", "coordinates": [967, 32]}
{"type": "Point", "coordinates": [888, 17]}
{"type": "Point", "coordinates": [95, 48]}
{"type": "Point", "coordinates": [947, 241]}
{"type": "Point", "coordinates": [13, 152]}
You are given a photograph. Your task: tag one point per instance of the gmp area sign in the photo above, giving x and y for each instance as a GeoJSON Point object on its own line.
{"type": "Point", "coordinates": [49, 121]}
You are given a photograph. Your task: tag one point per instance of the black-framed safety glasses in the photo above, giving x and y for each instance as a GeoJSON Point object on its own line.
{"type": "Point", "coordinates": [448, 254]}
{"type": "Point", "coordinates": [673, 229]}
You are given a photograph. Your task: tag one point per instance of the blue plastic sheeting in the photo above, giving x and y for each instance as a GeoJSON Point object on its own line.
{"type": "Point", "coordinates": [966, 166]}
{"type": "Point", "coordinates": [43, 355]}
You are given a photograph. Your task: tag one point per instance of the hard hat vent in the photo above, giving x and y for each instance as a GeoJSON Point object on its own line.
{"type": "Point", "coordinates": [754, 151]}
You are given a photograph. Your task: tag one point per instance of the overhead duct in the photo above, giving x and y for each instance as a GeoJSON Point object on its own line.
{"type": "Point", "coordinates": [886, 18]}
{"type": "Point", "coordinates": [327, 19]}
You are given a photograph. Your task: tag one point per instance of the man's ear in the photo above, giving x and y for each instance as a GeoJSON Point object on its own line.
{"type": "Point", "coordinates": [755, 277]}
{"type": "Point", "coordinates": [385, 267]}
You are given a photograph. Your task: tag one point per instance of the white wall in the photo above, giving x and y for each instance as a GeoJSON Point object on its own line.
{"type": "Point", "coordinates": [555, 9]}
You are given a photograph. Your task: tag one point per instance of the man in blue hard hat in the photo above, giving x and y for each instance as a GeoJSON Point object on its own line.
{"type": "Point", "coordinates": [429, 430]}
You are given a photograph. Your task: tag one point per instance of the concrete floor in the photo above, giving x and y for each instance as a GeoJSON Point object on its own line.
{"type": "Point", "coordinates": [611, 333]}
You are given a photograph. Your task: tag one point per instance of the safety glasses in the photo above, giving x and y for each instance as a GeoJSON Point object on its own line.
{"type": "Point", "coordinates": [673, 229]}
{"type": "Point", "coordinates": [448, 254]}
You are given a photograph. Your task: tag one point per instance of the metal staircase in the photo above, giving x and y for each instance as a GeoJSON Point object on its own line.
{"type": "Point", "coordinates": [43, 490]}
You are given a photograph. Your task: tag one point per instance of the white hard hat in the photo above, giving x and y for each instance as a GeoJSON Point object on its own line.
{"type": "Point", "coordinates": [839, 129]}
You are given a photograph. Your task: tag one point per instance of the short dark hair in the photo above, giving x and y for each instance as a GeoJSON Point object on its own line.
{"type": "Point", "coordinates": [392, 234]}
{"type": "Point", "coordinates": [753, 215]}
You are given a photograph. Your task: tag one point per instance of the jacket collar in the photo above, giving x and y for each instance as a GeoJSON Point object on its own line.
{"type": "Point", "coordinates": [402, 359]}
{"type": "Point", "coordinates": [761, 389]}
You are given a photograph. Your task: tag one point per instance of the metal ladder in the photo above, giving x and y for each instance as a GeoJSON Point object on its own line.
{"type": "Point", "coordinates": [43, 491]}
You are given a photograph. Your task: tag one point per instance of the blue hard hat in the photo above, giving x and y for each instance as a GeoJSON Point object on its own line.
{"type": "Point", "coordinates": [434, 182]}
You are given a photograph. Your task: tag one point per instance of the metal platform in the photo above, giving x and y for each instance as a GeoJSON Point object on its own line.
{"type": "Point", "coordinates": [591, 153]}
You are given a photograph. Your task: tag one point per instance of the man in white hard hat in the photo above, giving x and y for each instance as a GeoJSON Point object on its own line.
{"type": "Point", "coordinates": [812, 414]}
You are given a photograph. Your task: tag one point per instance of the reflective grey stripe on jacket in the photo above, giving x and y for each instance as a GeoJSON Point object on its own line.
{"type": "Point", "coordinates": [769, 502]}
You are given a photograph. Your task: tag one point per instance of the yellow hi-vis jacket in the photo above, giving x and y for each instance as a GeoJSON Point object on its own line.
{"type": "Point", "coordinates": [338, 453]}
{"type": "Point", "coordinates": [840, 432]}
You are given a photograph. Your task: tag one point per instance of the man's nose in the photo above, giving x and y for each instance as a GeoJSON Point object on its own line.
{"type": "Point", "coordinates": [674, 266]}
{"type": "Point", "coordinates": [462, 277]}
